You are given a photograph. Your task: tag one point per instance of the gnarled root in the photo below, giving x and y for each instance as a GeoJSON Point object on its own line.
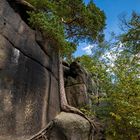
{"type": "Point", "coordinates": [70, 109]}
{"type": "Point", "coordinates": [43, 134]}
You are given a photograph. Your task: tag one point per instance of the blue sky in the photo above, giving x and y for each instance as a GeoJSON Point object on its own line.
{"type": "Point", "coordinates": [112, 9]}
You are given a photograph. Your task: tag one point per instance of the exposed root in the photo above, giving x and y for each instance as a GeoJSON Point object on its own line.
{"type": "Point", "coordinates": [44, 133]}
{"type": "Point", "coordinates": [70, 109]}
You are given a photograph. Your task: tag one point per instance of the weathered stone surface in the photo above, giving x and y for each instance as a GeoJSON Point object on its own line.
{"type": "Point", "coordinates": [14, 29]}
{"type": "Point", "coordinates": [29, 94]}
{"type": "Point", "coordinates": [69, 126]}
{"type": "Point", "coordinates": [53, 100]}
{"type": "Point", "coordinates": [75, 85]}
{"type": "Point", "coordinates": [77, 95]}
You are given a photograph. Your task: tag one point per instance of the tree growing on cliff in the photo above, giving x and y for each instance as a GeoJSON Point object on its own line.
{"type": "Point", "coordinates": [68, 22]}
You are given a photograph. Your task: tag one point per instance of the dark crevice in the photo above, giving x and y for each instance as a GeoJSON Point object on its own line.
{"type": "Point", "coordinates": [50, 83]}
{"type": "Point", "coordinates": [40, 41]}
{"type": "Point", "coordinates": [74, 85]}
{"type": "Point", "coordinates": [21, 9]}
{"type": "Point", "coordinates": [33, 59]}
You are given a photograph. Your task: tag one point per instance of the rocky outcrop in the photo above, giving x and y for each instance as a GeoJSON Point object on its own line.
{"type": "Point", "coordinates": [29, 84]}
{"type": "Point", "coordinates": [77, 85]}
{"type": "Point", "coordinates": [29, 93]}
{"type": "Point", "coordinates": [66, 126]}
{"type": "Point", "coordinates": [72, 126]}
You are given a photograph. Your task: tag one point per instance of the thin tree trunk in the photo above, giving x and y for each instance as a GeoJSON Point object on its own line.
{"type": "Point", "coordinates": [63, 99]}
{"type": "Point", "coordinates": [64, 103]}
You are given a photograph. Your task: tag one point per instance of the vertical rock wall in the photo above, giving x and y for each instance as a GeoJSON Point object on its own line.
{"type": "Point", "coordinates": [29, 95]}
{"type": "Point", "coordinates": [76, 80]}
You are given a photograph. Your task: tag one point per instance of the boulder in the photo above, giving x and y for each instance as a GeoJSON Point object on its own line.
{"type": "Point", "coordinates": [69, 126]}
{"type": "Point", "coordinates": [66, 126]}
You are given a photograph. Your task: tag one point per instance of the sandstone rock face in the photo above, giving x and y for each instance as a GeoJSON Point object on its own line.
{"type": "Point", "coordinates": [66, 126]}
{"type": "Point", "coordinates": [77, 85]}
{"type": "Point", "coordinates": [69, 126]}
{"type": "Point", "coordinates": [29, 94]}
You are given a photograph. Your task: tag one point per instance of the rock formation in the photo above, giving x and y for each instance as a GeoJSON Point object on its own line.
{"type": "Point", "coordinates": [75, 85]}
{"type": "Point", "coordinates": [29, 91]}
{"type": "Point", "coordinates": [29, 84]}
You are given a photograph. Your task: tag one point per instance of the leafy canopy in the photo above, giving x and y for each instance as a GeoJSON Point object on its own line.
{"type": "Point", "coordinates": [68, 22]}
{"type": "Point", "coordinates": [131, 36]}
{"type": "Point", "coordinates": [120, 80]}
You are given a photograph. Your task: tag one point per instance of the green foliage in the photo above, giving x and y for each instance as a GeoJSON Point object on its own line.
{"type": "Point", "coordinates": [131, 37]}
{"type": "Point", "coordinates": [125, 98]}
{"type": "Point", "coordinates": [87, 111]}
{"type": "Point", "coordinates": [98, 69]}
{"type": "Point", "coordinates": [68, 22]}
{"type": "Point", "coordinates": [53, 30]}
{"type": "Point", "coordinates": [120, 108]}
{"type": "Point", "coordinates": [48, 24]}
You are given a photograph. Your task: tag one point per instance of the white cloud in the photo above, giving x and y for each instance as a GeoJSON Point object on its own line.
{"type": "Point", "coordinates": [113, 54]}
{"type": "Point", "coordinates": [88, 49]}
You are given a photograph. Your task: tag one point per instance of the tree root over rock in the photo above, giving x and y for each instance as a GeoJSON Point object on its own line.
{"type": "Point", "coordinates": [45, 134]}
